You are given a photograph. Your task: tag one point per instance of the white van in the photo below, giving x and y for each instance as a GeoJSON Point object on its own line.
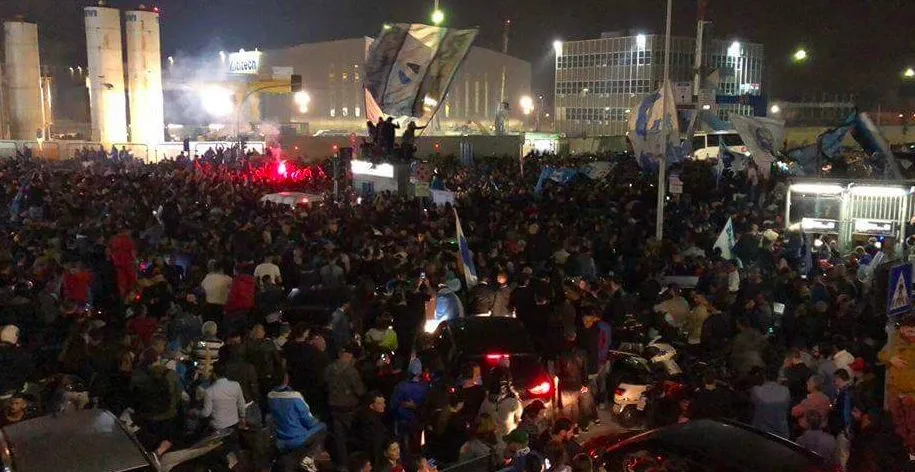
{"type": "Point", "coordinates": [706, 145]}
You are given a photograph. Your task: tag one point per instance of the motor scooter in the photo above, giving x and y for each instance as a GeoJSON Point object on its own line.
{"type": "Point", "coordinates": [644, 384]}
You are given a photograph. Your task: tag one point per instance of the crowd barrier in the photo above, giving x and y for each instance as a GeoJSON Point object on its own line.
{"type": "Point", "coordinates": [66, 149]}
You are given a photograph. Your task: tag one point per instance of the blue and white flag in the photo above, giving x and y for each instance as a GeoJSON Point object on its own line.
{"type": "Point", "coordinates": [763, 136]}
{"type": "Point", "coordinates": [597, 170]}
{"type": "Point", "coordinates": [410, 67]}
{"type": "Point", "coordinates": [871, 139]}
{"type": "Point", "coordinates": [562, 176]}
{"type": "Point", "coordinates": [645, 131]}
{"type": "Point", "coordinates": [726, 241]}
{"type": "Point", "coordinates": [465, 260]}
{"type": "Point", "coordinates": [728, 160]}
{"type": "Point", "coordinates": [707, 120]}
{"type": "Point", "coordinates": [831, 140]}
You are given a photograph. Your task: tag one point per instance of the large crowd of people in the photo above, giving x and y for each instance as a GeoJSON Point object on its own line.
{"type": "Point", "coordinates": [171, 293]}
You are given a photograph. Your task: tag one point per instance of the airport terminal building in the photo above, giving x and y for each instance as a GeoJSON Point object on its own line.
{"type": "Point", "coordinates": [599, 81]}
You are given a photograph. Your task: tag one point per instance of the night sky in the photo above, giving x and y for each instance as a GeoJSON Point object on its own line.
{"type": "Point", "coordinates": [855, 45]}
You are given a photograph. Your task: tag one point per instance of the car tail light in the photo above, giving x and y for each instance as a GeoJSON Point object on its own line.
{"type": "Point", "coordinates": [542, 389]}
{"type": "Point", "coordinates": [496, 358]}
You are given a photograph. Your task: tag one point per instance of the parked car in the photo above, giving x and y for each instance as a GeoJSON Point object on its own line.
{"type": "Point", "coordinates": [96, 441]}
{"type": "Point", "coordinates": [82, 441]}
{"type": "Point", "coordinates": [703, 446]}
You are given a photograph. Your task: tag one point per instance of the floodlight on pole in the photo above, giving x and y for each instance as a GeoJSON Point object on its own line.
{"type": "Point", "coordinates": [438, 17]}
{"type": "Point", "coordinates": [909, 73]}
{"type": "Point", "coordinates": [557, 47]}
{"type": "Point", "coordinates": [800, 55]}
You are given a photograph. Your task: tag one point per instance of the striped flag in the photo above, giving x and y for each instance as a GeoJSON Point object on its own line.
{"type": "Point", "coordinates": [465, 260]}
{"type": "Point", "coordinates": [410, 67]}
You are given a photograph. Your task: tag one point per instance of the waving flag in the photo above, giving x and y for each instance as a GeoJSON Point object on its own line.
{"type": "Point", "coordinates": [871, 139]}
{"type": "Point", "coordinates": [831, 141]}
{"type": "Point", "coordinates": [465, 261]}
{"type": "Point", "coordinates": [726, 241]}
{"type": "Point", "coordinates": [562, 176]}
{"type": "Point", "coordinates": [645, 130]}
{"type": "Point", "coordinates": [763, 136]}
{"type": "Point", "coordinates": [410, 67]}
{"type": "Point", "coordinates": [728, 160]}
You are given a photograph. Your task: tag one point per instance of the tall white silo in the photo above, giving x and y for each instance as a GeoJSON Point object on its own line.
{"type": "Point", "coordinates": [144, 77]}
{"type": "Point", "coordinates": [105, 78]}
{"type": "Point", "coordinates": [23, 79]}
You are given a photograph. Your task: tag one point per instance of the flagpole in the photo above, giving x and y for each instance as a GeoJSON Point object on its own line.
{"type": "Point", "coordinates": [662, 161]}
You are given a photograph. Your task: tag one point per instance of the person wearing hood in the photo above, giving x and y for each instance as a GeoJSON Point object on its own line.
{"type": "Point", "coordinates": [448, 305]}
{"type": "Point", "coordinates": [406, 405]}
{"type": "Point", "coordinates": [17, 365]}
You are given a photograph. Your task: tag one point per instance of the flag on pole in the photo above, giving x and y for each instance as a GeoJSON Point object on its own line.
{"type": "Point", "coordinates": [763, 136]}
{"type": "Point", "coordinates": [728, 160]}
{"type": "Point", "coordinates": [645, 134]}
{"type": "Point", "coordinates": [726, 241]}
{"type": "Point", "coordinates": [410, 67]}
{"type": "Point", "coordinates": [465, 260]}
{"type": "Point", "coordinates": [871, 139]}
{"type": "Point", "coordinates": [831, 140]}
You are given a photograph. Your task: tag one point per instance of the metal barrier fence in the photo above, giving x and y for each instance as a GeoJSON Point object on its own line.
{"type": "Point", "coordinates": [65, 149]}
{"type": "Point", "coordinates": [8, 149]}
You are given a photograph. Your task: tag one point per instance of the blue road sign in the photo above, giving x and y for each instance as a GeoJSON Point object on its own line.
{"type": "Point", "coordinates": [899, 290]}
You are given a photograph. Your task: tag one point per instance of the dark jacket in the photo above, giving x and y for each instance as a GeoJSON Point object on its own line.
{"type": "Point", "coordinates": [344, 386]}
{"type": "Point", "coordinates": [481, 299]}
{"type": "Point", "coordinates": [716, 332]}
{"type": "Point", "coordinates": [500, 306]}
{"type": "Point", "coordinates": [16, 367]}
{"type": "Point", "coordinates": [369, 434]}
{"type": "Point", "coordinates": [711, 404]}
{"type": "Point", "coordinates": [243, 372]}
{"type": "Point", "coordinates": [265, 358]}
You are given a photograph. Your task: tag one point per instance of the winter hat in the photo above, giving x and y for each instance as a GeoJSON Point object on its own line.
{"type": "Point", "coordinates": [416, 367]}
{"type": "Point", "coordinates": [209, 328]}
{"type": "Point", "coordinates": [9, 334]}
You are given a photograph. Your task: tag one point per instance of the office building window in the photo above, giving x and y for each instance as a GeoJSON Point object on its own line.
{"type": "Point", "coordinates": [333, 112]}
{"type": "Point", "coordinates": [357, 111]}
{"type": "Point", "coordinates": [344, 76]}
{"type": "Point", "coordinates": [345, 111]}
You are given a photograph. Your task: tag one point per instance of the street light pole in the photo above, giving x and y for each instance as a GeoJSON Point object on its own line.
{"type": "Point", "coordinates": [662, 161]}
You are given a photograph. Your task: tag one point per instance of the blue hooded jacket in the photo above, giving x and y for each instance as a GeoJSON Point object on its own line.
{"type": "Point", "coordinates": [292, 417]}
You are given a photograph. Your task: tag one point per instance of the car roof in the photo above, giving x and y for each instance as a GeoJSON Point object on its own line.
{"type": "Point", "coordinates": [491, 333]}
{"type": "Point", "coordinates": [730, 444]}
{"type": "Point", "coordinates": [87, 440]}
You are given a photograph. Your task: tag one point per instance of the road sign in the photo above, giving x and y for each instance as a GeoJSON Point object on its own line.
{"type": "Point", "coordinates": [899, 290]}
{"type": "Point", "coordinates": [676, 185]}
